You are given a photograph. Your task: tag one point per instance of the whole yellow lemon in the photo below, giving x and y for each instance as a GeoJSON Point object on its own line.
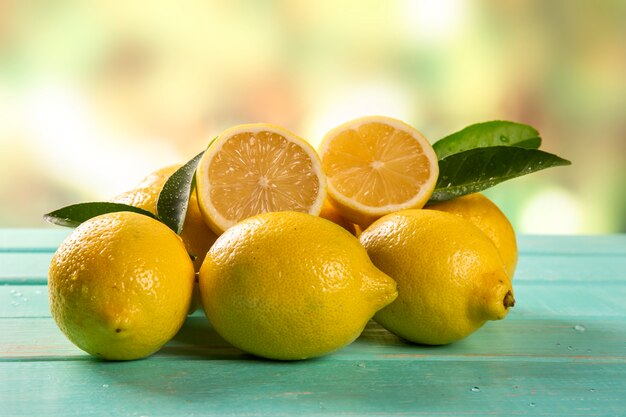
{"type": "Point", "coordinates": [484, 214]}
{"type": "Point", "coordinates": [450, 277]}
{"type": "Point", "coordinates": [120, 285]}
{"type": "Point", "coordinates": [290, 285]}
{"type": "Point", "coordinates": [196, 235]}
{"type": "Point", "coordinates": [329, 212]}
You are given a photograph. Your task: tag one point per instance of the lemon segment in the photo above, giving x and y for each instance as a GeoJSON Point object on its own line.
{"type": "Point", "coordinates": [258, 168]}
{"type": "Point", "coordinates": [376, 165]}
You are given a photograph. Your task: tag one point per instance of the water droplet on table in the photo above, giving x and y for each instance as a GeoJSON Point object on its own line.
{"type": "Point", "coordinates": [105, 385]}
{"type": "Point", "coordinates": [532, 404]}
{"type": "Point", "coordinates": [570, 348]}
{"type": "Point", "coordinates": [361, 365]}
{"type": "Point", "coordinates": [475, 389]}
{"type": "Point", "coordinates": [580, 328]}
{"type": "Point", "coordinates": [592, 390]}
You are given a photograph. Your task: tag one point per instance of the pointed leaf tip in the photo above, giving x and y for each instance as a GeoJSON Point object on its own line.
{"type": "Point", "coordinates": [477, 169]}
{"type": "Point", "coordinates": [174, 197]}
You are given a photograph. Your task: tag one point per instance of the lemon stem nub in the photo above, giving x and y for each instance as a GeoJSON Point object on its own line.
{"type": "Point", "coordinates": [509, 301]}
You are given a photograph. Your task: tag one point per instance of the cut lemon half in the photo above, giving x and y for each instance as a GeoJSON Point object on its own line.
{"type": "Point", "coordinates": [376, 165]}
{"type": "Point", "coordinates": [258, 168]}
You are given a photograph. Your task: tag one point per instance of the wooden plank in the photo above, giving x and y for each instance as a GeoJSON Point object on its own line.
{"type": "Point", "coordinates": [24, 301]}
{"type": "Point", "coordinates": [568, 269]}
{"type": "Point", "coordinates": [601, 245]}
{"type": "Point", "coordinates": [24, 268]}
{"type": "Point", "coordinates": [250, 387]}
{"type": "Point", "coordinates": [519, 340]}
{"type": "Point", "coordinates": [32, 268]}
{"type": "Point", "coordinates": [32, 240]}
{"type": "Point", "coordinates": [573, 300]}
{"type": "Point", "coordinates": [25, 256]}
{"type": "Point", "coordinates": [48, 239]}
{"type": "Point", "coordinates": [561, 352]}
{"type": "Point", "coordinates": [533, 299]}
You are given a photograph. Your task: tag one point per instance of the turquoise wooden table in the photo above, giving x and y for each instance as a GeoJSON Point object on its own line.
{"type": "Point", "coordinates": [560, 352]}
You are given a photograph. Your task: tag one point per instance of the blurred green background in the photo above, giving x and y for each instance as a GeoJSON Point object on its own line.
{"type": "Point", "coordinates": [96, 94]}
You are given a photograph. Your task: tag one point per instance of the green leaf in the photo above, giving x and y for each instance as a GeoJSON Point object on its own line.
{"type": "Point", "coordinates": [477, 169]}
{"type": "Point", "coordinates": [174, 197]}
{"type": "Point", "coordinates": [72, 216]}
{"type": "Point", "coordinates": [482, 135]}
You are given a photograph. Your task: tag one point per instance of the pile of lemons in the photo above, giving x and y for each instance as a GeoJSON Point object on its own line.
{"type": "Point", "coordinates": [293, 250]}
